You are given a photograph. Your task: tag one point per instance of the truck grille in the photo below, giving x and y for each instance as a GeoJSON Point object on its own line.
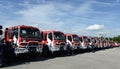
{"type": "Point", "coordinates": [33, 44]}
{"type": "Point", "coordinates": [62, 44]}
{"type": "Point", "coordinates": [32, 49]}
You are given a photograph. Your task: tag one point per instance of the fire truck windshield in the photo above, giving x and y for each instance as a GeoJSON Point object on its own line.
{"type": "Point", "coordinates": [29, 33]}
{"type": "Point", "coordinates": [93, 40]}
{"type": "Point", "coordinates": [59, 36]}
{"type": "Point", "coordinates": [86, 39]}
{"type": "Point", "coordinates": [76, 38]}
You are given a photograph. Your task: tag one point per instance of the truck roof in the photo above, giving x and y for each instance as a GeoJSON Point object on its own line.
{"type": "Point", "coordinates": [70, 34]}
{"type": "Point", "coordinates": [47, 31]}
{"type": "Point", "coordinates": [82, 36]}
{"type": "Point", "coordinates": [22, 26]}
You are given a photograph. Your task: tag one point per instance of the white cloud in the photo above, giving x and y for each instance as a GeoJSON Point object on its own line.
{"type": "Point", "coordinates": [52, 16]}
{"type": "Point", "coordinates": [84, 9]}
{"type": "Point", "coordinates": [95, 27]}
{"type": "Point", "coordinates": [62, 16]}
{"type": "Point", "coordinates": [117, 1]}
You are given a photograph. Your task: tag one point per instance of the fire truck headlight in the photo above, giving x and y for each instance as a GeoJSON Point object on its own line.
{"type": "Point", "coordinates": [57, 42]}
{"type": "Point", "coordinates": [24, 41]}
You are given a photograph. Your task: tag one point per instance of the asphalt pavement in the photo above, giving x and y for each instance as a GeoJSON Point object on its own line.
{"type": "Point", "coordinates": [102, 59]}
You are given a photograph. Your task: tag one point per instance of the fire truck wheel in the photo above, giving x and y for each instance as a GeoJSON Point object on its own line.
{"type": "Point", "coordinates": [89, 48]}
{"type": "Point", "coordinates": [46, 52]}
{"type": "Point", "coordinates": [69, 50]}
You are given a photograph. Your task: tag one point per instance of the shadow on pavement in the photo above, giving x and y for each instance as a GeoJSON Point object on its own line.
{"type": "Point", "coordinates": [27, 59]}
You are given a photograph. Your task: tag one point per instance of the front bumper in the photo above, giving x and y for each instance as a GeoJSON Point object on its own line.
{"type": "Point", "coordinates": [58, 48]}
{"type": "Point", "coordinates": [28, 49]}
{"type": "Point", "coordinates": [76, 47]}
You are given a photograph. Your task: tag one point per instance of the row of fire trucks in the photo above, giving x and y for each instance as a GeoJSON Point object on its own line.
{"type": "Point", "coordinates": [28, 39]}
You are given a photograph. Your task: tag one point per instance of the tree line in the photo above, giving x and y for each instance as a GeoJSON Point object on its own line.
{"type": "Point", "coordinates": [117, 38]}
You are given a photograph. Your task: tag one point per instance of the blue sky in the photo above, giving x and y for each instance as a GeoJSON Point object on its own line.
{"type": "Point", "coordinates": [82, 17]}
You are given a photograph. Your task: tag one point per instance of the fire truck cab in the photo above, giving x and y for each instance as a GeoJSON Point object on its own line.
{"type": "Point", "coordinates": [84, 40]}
{"type": "Point", "coordinates": [93, 42]}
{"type": "Point", "coordinates": [73, 41]}
{"type": "Point", "coordinates": [24, 39]}
{"type": "Point", "coordinates": [53, 41]}
{"type": "Point", "coordinates": [97, 42]}
{"type": "Point", "coordinates": [113, 44]}
{"type": "Point", "coordinates": [108, 42]}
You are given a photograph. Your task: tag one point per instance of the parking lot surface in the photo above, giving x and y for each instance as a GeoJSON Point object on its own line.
{"type": "Point", "coordinates": [103, 59]}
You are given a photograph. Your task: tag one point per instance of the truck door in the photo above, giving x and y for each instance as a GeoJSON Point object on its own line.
{"type": "Point", "coordinates": [70, 40]}
{"type": "Point", "coordinates": [50, 39]}
{"type": "Point", "coordinates": [15, 36]}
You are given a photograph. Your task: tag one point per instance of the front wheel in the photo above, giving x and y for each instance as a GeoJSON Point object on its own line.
{"type": "Point", "coordinates": [46, 52]}
{"type": "Point", "coordinates": [69, 50]}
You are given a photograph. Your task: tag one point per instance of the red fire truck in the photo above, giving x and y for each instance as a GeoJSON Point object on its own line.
{"type": "Point", "coordinates": [93, 42]}
{"type": "Point", "coordinates": [73, 41]}
{"type": "Point", "coordinates": [97, 42]}
{"type": "Point", "coordinates": [84, 40]}
{"type": "Point", "coordinates": [53, 41]}
{"type": "Point", "coordinates": [24, 39]}
{"type": "Point", "coordinates": [114, 44]}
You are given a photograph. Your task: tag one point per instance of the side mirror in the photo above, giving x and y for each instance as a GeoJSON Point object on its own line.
{"type": "Point", "coordinates": [1, 30]}
{"type": "Point", "coordinates": [1, 27]}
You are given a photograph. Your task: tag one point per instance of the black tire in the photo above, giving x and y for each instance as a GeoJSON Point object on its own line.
{"type": "Point", "coordinates": [69, 50]}
{"type": "Point", "coordinates": [46, 52]}
{"type": "Point", "coordinates": [9, 54]}
{"type": "Point", "coordinates": [93, 48]}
